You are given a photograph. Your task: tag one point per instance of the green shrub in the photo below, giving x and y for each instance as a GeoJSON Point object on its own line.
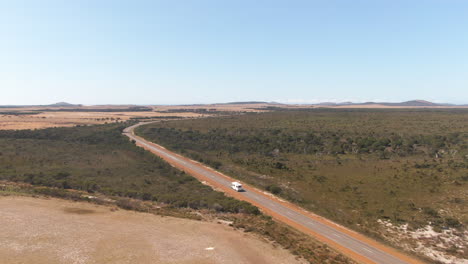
{"type": "Point", "coordinates": [274, 189]}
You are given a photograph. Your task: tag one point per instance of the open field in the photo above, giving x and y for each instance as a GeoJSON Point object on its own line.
{"type": "Point", "coordinates": [69, 119]}
{"type": "Point", "coordinates": [37, 230]}
{"type": "Point", "coordinates": [45, 117]}
{"type": "Point", "coordinates": [397, 175]}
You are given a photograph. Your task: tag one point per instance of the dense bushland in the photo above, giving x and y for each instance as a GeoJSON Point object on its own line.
{"type": "Point", "coordinates": [354, 166]}
{"type": "Point", "coordinates": [100, 159]}
{"type": "Point", "coordinates": [264, 134]}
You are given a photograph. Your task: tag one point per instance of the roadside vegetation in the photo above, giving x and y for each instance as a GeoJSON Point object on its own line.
{"type": "Point", "coordinates": [100, 159]}
{"type": "Point", "coordinates": [366, 169]}
{"type": "Point", "coordinates": [98, 164]}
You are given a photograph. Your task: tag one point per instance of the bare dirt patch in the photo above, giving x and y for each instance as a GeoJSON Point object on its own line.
{"type": "Point", "coordinates": [36, 230]}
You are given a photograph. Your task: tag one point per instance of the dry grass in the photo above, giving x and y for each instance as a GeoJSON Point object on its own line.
{"type": "Point", "coordinates": [69, 119]}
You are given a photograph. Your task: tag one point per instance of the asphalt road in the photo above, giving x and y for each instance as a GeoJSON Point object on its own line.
{"type": "Point", "coordinates": [364, 249]}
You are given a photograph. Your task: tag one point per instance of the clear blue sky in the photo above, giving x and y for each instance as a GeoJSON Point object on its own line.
{"type": "Point", "coordinates": [168, 52]}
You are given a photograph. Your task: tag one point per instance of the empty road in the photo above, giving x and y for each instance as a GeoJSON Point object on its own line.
{"type": "Point", "coordinates": [354, 245]}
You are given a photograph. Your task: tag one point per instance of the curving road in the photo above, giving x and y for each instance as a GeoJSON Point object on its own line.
{"type": "Point", "coordinates": [362, 250]}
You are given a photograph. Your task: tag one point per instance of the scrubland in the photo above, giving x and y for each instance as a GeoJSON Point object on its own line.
{"type": "Point", "coordinates": [98, 164]}
{"type": "Point", "coordinates": [390, 174]}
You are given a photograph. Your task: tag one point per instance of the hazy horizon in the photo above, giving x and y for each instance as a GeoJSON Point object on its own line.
{"type": "Point", "coordinates": [312, 102]}
{"type": "Point", "coordinates": [197, 52]}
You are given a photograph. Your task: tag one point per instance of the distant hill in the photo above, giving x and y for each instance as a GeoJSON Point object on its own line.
{"type": "Point", "coordinates": [63, 104]}
{"type": "Point", "coordinates": [420, 103]}
{"type": "Point", "coordinates": [247, 102]}
{"type": "Point", "coordinates": [59, 104]}
{"type": "Point", "coordinates": [412, 103]}
{"type": "Point", "coordinates": [331, 103]}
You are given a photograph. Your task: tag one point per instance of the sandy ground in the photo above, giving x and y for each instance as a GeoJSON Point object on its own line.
{"type": "Point", "coordinates": [40, 231]}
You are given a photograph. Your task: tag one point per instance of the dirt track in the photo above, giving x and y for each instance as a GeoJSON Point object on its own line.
{"type": "Point", "coordinates": [36, 230]}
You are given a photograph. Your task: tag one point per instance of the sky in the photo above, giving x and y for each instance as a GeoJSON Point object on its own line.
{"type": "Point", "coordinates": [202, 51]}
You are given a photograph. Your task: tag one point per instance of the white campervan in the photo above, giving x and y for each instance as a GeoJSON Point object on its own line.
{"type": "Point", "coordinates": [236, 186]}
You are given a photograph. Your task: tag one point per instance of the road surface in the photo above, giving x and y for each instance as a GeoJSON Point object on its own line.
{"type": "Point", "coordinates": [354, 245]}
